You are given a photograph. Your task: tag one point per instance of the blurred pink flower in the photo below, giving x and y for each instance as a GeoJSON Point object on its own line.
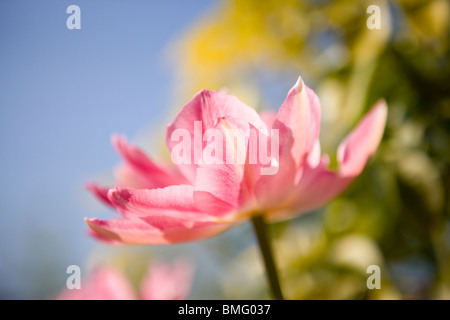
{"type": "Point", "coordinates": [196, 199]}
{"type": "Point", "coordinates": [162, 282]}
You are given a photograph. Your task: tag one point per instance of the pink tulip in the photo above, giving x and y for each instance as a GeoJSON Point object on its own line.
{"type": "Point", "coordinates": [162, 282]}
{"type": "Point", "coordinates": [196, 199]}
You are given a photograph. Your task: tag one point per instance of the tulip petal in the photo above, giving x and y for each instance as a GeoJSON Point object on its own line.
{"type": "Point", "coordinates": [103, 284]}
{"type": "Point", "coordinates": [223, 186]}
{"type": "Point", "coordinates": [319, 184]}
{"type": "Point", "coordinates": [221, 178]}
{"type": "Point", "coordinates": [103, 239]}
{"type": "Point", "coordinates": [314, 156]}
{"type": "Point", "coordinates": [155, 230]}
{"type": "Point", "coordinates": [126, 231]}
{"type": "Point", "coordinates": [268, 117]}
{"type": "Point", "coordinates": [150, 173]}
{"type": "Point", "coordinates": [173, 201]}
{"type": "Point", "coordinates": [299, 123]}
{"type": "Point", "coordinates": [217, 189]}
{"type": "Point", "coordinates": [167, 282]}
{"type": "Point", "coordinates": [207, 107]}
{"type": "Point", "coordinates": [363, 141]}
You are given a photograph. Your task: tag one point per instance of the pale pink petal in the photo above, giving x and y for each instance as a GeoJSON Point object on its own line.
{"type": "Point", "coordinates": [254, 169]}
{"type": "Point", "coordinates": [217, 189]}
{"type": "Point", "coordinates": [363, 141]}
{"type": "Point", "coordinates": [218, 186]}
{"type": "Point", "coordinates": [126, 231]}
{"type": "Point", "coordinates": [156, 229]}
{"type": "Point", "coordinates": [154, 175]}
{"type": "Point", "coordinates": [103, 239]}
{"type": "Point", "coordinates": [268, 117]}
{"type": "Point", "coordinates": [298, 125]}
{"type": "Point", "coordinates": [270, 189]}
{"type": "Point", "coordinates": [174, 201]}
{"type": "Point", "coordinates": [314, 156]}
{"type": "Point", "coordinates": [167, 281]}
{"type": "Point", "coordinates": [103, 284]}
{"type": "Point", "coordinates": [207, 107]}
{"type": "Point", "coordinates": [319, 184]}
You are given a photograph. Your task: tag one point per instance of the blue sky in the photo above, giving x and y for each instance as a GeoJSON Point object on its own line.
{"type": "Point", "coordinates": [62, 94]}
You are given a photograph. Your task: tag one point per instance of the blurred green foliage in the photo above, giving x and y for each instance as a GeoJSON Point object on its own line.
{"type": "Point", "coordinates": [396, 214]}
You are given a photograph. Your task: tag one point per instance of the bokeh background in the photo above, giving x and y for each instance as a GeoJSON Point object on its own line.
{"type": "Point", "coordinates": [131, 67]}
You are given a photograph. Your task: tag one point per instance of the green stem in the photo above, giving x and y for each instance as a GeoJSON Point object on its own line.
{"type": "Point", "coordinates": [260, 227]}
